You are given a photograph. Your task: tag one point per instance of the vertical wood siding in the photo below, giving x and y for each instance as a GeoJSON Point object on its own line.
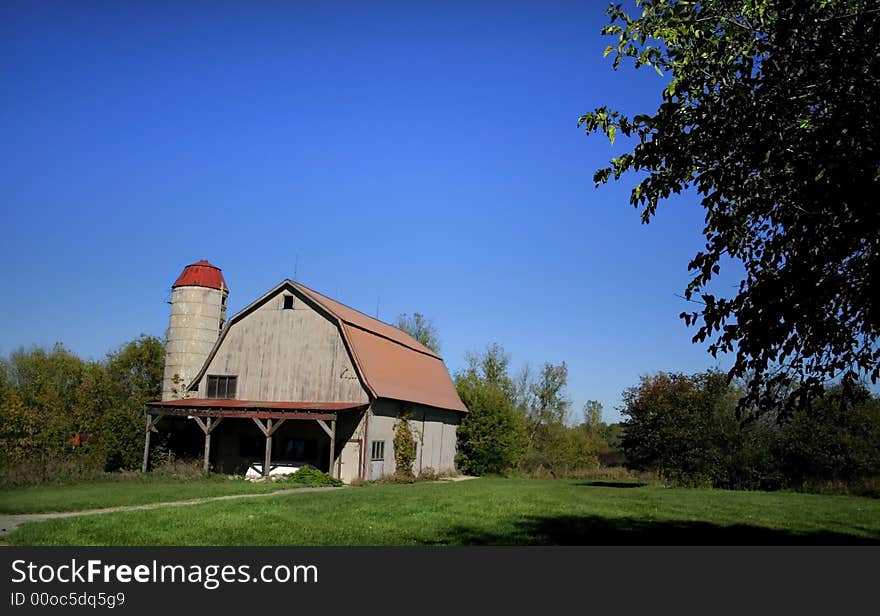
{"type": "Point", "coordinates": [287, 355]}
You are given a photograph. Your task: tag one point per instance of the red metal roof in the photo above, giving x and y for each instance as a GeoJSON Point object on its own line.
{"type": "Point", "coordinates": [398, 372]}
{"type": "Point", "coordinates": [201, 274]}
{"type": "Point", "coordinates": [257, 404]}
{"type": "Point", "coordinates": [391, 362]}
{"type": "Point", "coordinates": [362, 321]}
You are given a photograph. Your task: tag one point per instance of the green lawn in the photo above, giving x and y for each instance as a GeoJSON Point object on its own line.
{"type": "Point", "coordinates": [484, 512]}
{"type": "Point", "coordinates": [133, 491]}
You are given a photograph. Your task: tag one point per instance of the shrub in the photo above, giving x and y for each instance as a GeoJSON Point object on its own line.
{"type": "Point", "coordinates": [309, 477]}
{"type": "Point", "coordinates": [404, 447]}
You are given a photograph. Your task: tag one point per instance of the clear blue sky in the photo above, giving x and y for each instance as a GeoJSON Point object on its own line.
{"type": "Point", "coordinates": [411, 157]}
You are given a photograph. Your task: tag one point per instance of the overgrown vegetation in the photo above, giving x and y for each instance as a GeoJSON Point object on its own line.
{"type": "Point", "coordinates": [404, 447]}
{"type": "Point", "coordinates": [308, 477]}
{"type": "Point", "coordinates": [523, 424]}
{"type": "Point", "coordinates": [687, 428]}
{"type": "Point", "coordinates": [63, 418]}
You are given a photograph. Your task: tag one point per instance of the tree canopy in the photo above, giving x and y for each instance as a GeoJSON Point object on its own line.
{"type": "Point", "coordinates": [63, 417]}
{"type": "Point", "coordinates": [420, 328]}
{"type": "Point", "coordinates": [684, 427]}
{"type": "Point", "coordinates": [770, 112]}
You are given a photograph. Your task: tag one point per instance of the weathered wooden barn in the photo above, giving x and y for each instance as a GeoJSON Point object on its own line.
{"type": "Point", "coordinates": [297, 378]}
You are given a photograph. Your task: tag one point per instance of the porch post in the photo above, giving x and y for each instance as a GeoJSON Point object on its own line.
{"type": "Point", "coordinates": [208, 445]}
{"type": "Point", "coordinates": [147, 444]}
{"type": "Point", "coordinates": [332, 447]}
{"type": "Point", "coordinates": [268, 460]}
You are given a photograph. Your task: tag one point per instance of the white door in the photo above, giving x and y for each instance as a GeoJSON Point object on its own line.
{"type": "Point", "coordinates": [349, 461]}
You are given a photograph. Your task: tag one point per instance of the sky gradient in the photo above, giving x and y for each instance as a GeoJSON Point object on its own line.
{"type": "Point", "coordinates": [394, 156]}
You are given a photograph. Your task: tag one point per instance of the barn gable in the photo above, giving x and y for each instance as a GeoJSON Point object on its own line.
{"type": "Point", "coordinates": [268, 344]}
{"type": "Point", "coordinates": [281, 348]}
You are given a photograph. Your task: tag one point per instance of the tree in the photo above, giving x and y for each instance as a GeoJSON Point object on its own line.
{"type": "Point", "coordinates": [62, 417]}
{"type": "Point", "coordinates": [420, 328]}
{"type": "Point", "coordinates": [549, 445]}
{"type": "Point", "coordinates": [593, 414]}
{"type": "Point", "coordinates": [679, 426]}
{"type": "Point", "coordinates": [491, 437]}
{"type": "Point", "coordinates": [833, 442]}
{"type": "Point", "coordinates": [685, 428]}
{"type": "Point", "coordinates": [550, 404]}
{"type": "Point", "coordinates": [770, 113]}
{"type": "Point", "coordinates": [135, 374]}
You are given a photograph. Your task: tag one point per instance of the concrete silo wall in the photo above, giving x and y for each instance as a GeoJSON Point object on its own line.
{"type": "Point", "coordinates": [197, 314]}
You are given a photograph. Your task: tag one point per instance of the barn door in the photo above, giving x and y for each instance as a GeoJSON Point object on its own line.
{"type": "Point", "coordinates": [377, 460]}
{"type": "Point", "coordinates": [349, 461]}
{"type": "Point", "coordinates": [377, 469]}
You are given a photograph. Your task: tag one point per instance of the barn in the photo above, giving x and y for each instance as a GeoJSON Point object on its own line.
{"type": "Point", "coordinates": [296, 378]}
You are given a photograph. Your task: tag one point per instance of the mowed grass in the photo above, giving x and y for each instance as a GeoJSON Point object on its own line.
{"type": "Point", "coordinates": [130, 491]}
{"type": "Point", "coordinates": [485, 511]}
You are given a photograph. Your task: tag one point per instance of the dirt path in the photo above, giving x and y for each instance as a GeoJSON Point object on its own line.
{"type": "Point", "coordinates": [9, 522]}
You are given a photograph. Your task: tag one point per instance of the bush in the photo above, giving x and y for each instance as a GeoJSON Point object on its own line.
{"type": "Point", "coordinates": [309, 477]}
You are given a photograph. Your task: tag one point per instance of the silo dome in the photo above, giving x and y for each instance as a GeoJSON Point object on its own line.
{"type": "Point", "coordinates": [201, 274]}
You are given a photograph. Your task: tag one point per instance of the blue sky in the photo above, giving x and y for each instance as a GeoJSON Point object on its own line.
{"type": "Point", "coordinates": [398, 156]}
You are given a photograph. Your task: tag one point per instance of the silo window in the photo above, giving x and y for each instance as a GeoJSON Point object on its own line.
{"type": "Point", "coordinates": [222, 387]}
{"type": "Point", "coordinates": [288, 302]}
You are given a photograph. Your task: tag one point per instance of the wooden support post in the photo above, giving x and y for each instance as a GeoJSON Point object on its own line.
{"type": "Point", "coordinates": [268, 430]}
{"type": "Point", "coordinates": [268, 461]}
{"type": "Point", "coordinates": [147, 445]}
{"type": "Point", "coordinates": [207, 429]}
{"type": "Point", "coordinates": [332, 447]}
{"type": "Point", "coordinates": [151, 427]}
{"type": "Point", "coordinates": [331, 432]}
{"type": "Point", "coordinates": [207, 463]}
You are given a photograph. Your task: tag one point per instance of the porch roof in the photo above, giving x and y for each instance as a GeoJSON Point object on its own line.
{"type": "Point", "coordinates": [260, 409]}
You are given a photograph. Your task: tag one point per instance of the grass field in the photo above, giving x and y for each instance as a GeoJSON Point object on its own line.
{"type": "Point", "coordinates": [134, 491]}
{"type": "Point", "coordinates": [485, 512]}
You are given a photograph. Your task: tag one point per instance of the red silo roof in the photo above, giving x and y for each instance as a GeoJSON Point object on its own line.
{"type": "Point", "coordinates": [201, 274]}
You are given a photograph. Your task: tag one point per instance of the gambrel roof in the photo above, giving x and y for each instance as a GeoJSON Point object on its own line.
{"type": "Point", "coordinates": [390, 363]}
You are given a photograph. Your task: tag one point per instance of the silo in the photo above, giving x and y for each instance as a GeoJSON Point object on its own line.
{"type": "Point", "coordinates": [198, 312]}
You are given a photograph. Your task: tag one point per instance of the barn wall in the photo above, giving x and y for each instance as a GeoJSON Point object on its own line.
{"type": "Point", "coordinates": [286, 355]}
{"type": "Point", "coordinates": [433, 429]}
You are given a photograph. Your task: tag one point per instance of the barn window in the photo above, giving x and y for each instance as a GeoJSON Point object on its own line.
{"type": "Point", "coordinates": [288, 302]}
{"type": "Point", "coordinates": [222, 387]}
{"type": "Point", "coordinates": [377, 451]}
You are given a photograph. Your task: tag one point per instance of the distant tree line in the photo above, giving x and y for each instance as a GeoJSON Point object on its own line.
{"type": "Point", "coordinates": [63, 417]}
{"type": "Point", "coordinates": [523, 422]}
{"type": "Point", "coordinates": [689, 429]}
